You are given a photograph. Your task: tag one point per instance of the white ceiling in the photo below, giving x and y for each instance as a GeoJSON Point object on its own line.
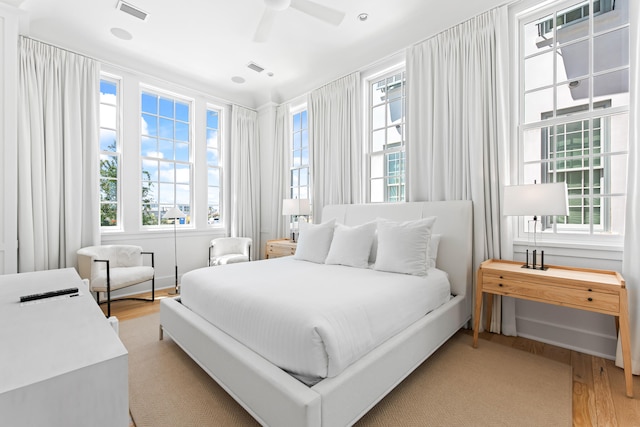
{"type": "Point", "coordinates": [204, 43]}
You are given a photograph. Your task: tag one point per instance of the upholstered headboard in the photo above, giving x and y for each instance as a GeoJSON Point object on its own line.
{"type": "Point", "coordinates": [454, 223]}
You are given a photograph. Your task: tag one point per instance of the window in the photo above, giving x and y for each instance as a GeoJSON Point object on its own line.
{"type": "Point", "coordinates": [574, 110]}
{"type": "Point", "coordinates": [386, 143]}
{"type": "Point", "coordinates": [300, 157]}
{"type": "Point", "coordinates": [166, 161]}
{"type": "Point", "coordinates": [109, 153]}
{"type": "Point", "coordinates": [213, 166]}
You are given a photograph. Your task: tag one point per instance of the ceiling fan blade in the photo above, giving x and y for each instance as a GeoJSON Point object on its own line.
{"type": "Point", "coordinates": [264, 26]}
{"type": "Point", "coordinates": [323, 13]}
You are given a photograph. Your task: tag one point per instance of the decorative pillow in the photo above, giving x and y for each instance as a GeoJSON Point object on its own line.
{"type": "Point", "coordinates": [352, 245]}
{"type": "Point", "coordinates": [403, 246]}
{"type": "Point", "coordinates": [314, 241]}
{"type": "Point", "coordinates": [433, 249]}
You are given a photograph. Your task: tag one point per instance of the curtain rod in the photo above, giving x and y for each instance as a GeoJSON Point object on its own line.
{"type": "Point", "coordinates": [141, 73]}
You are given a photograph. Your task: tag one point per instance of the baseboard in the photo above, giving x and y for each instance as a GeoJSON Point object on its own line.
{"type": "Point", "coordinates": [581, 340]}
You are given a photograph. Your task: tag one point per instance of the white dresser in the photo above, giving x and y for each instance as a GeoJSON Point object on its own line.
{"type": "Point", "coordinates": [61, 363]}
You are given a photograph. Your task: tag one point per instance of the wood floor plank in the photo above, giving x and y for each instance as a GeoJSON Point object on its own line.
{"type": "Point", "coordinates": [605, 412]}
{"type": "Point", "coordinates": [583, 375]}
{"type": "Point", "coordinates": [627, 410]}
{"type": "Point", "coordinates": [580, 408]}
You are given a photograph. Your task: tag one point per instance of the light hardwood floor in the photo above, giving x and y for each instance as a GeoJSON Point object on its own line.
{"type": "Point", "coordinates": [598, 385]}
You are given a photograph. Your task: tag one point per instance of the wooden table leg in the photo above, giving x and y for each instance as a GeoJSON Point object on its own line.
{"type": "Point", "coordinates": [488, 312]}
{"type": "Point", "coordinates": [478, 308]}
{"type": "Point", "coordinates": [625, 341]}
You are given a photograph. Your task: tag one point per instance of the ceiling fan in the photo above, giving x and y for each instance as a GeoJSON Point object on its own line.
{"type": "Point", "coordinates": [318, 11]}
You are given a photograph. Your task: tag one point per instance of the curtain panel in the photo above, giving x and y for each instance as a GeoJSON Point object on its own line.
{"type": "Point", "coordinates": [281, 168]}
{"type": "Point", "coordinates": [245, 177]}
{"type": "Point", "coordinates": [58, 135]}
{"type": "Point", "coordinates": [631, 253]}
{"type": "Point", "coordinates": [334, 142]}
{"type": "Point", "coordinates": [457, 134]}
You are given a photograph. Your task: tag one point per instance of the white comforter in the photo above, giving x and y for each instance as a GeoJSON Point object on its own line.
{"type": "Point", "coordinates": [312, 320]}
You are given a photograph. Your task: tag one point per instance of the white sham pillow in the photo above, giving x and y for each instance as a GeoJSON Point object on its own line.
{"type": "Point", "coordinates": [351, 246]}
{"type": "Point", "coordinates": [434, 242]}
{"type": "Point", "coordinates": [403, 246]}
{"type": "Point", "coordinates": [314, 241]}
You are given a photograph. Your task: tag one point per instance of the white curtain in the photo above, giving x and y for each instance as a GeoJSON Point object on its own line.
{"type": "Point", "coordinates": [58, 134]}
{"type": "Point", "coordinates": [334, 142]}
{"type": "Point", "coordinates": [280, 183]}
{"type": "Point", "coordinates": [245, 177]}
{"type": "Point", "coordinates": [630, 264]}
{"type": "Point", "coordinates": [457, 135]}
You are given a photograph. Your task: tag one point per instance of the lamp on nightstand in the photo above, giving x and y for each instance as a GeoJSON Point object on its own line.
{"type": "Point", "coordinates": [295, 207]}
{"type": "Point", "coordinates": [536, 199]}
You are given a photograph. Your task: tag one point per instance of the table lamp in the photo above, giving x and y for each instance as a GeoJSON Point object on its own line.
{"type": "Point", "coordinates": [536, 199]}
{"type": "Point", "coordinates": [295, 207]}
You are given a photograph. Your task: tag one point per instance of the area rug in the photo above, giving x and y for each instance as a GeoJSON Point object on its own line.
{"type": "Point", "coordinates": [492, 385]}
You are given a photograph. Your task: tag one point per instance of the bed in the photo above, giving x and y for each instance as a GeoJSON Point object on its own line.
{"type": "Point", "coordinates": [275, 397]}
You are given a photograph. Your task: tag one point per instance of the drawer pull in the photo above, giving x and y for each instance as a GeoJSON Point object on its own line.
{"type": "Point", "coordinates": [589, 299]}
{"type": "Point", "coordinates": [500, 284]}
{"type": "Point", "coordinates": [590, 290]}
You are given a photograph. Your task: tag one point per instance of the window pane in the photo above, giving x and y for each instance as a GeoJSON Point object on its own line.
{"type": "Point", "coordinates": [212, 138]}
{"type": "Point", "coordinates": [165, 148]}
{"type": "Point", "coordinates": [149, 170]}
{"type": "Point", "coordinates": [108, 116]}
{"type": "Point", "coordinates": [108, 92]}
{"type": "Point", "coordinates": [377, 191]}
{"type": "Point", "coordinates": [212, 156]}
{"type": "Point", "coordinates": [536, 103]}
{"type": "Point", "coordinates": [182, 132]}
{"type": "Point", "coordinates": [214, 177]}
{"type": "Point", "coordinates": [149, 103]}
{"type": "Point", "coordinates": [165, 194]}
{"type": "Point", "coordinates": [377, 117]}
{"type": "Point", "coordinates": [149, 147]}
{"type": "Point", "coordinates": [182, 152]}
{"type": "Point", "coordinates": [183, 174]}
{"type": "Point", "coordinates": [538, 35]}
{"type": "Point", "coordinates": [607, 16]}
{"type": "Point", "coordinates": [182, 112]}
{"type": "Point", "coordinates": [538, 71]}
{"type": "Point", "coordinates": [149, 125]}
{"type": "Point", "coordinates": [212, 119]}
{"type": "Point", "coordinates": [166, 128]}
{"type": "Point", "coordinates": [108, 140]}
{"type": "Point", "coordinates": [573, 61]}
{"type": "Point", "coordinates": [614, 86]}
{"type": "Point", "coordinates": [377, 165]}
{"type": "Point", "coordinates": [166, 107]}
{"type": "Point", "coordinates": [182, 194]}
{"type": "Point", "coordinates": [109, 214]}
{"type": "Point", "coordinates": [573, 22]}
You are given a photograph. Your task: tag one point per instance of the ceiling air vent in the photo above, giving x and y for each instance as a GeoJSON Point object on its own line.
{"type": "Point", "coordinates": [132, 10]}
{"type": "Point", "coordinates": [255, 67]}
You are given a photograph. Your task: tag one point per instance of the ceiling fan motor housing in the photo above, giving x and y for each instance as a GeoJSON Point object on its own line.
{"type": "Point", "coordinates": [277, 4]}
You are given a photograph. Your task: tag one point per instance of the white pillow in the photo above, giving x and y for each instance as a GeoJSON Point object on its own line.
{"type": "Point", "coordinates": [352, 245]}
{"type": "Point", "coordinates": [433, 249]}
{"type": "Point", "coordinates": [314, 241]}
{"type": "Point", "coordinates": [403, 246]}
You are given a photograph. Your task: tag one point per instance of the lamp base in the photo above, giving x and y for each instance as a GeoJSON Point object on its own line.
{"type": "Point", "coordinates": [535, 267]}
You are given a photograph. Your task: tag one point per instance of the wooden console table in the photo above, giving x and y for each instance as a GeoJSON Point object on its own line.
{"type": "Point", "coordinates": [601, 291]}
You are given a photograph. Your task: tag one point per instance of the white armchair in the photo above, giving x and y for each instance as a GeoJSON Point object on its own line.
{"type": "Point", "coordinates": [229, 250]}
{"type": "Point", "coordinates": [112, 267]}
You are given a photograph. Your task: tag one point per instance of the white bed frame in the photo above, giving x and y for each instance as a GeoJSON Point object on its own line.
{"type": "Point", "coordinates": [274, 398]}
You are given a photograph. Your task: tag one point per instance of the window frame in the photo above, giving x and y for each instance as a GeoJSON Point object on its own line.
{"type": "Point", "coordinates": [522, 18]}
{"type": "Point", "coordinates": [220, 167]}
{"type": "Point", "coordinates": [369, 82]}
{"type": "Point", "coordinates": [292, 152]}
{"type": "Point", "coordinates": [191, 215]}
{"type": "Point", "coordinates": [113, 79]}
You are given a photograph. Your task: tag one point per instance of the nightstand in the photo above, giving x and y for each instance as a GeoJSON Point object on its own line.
{"type": "Point", "coordinates": [279, 247]}
{"type": "Point", "coordinates": [601, 291]}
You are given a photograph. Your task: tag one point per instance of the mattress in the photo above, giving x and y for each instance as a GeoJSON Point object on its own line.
{"type": "Point", "coordinates": [312, 320]}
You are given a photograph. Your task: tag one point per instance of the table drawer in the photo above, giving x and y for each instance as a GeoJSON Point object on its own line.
{"type": "Point", "coordinates": [552, 292]}
{"type": "Point", "coordinates": [275, 250]}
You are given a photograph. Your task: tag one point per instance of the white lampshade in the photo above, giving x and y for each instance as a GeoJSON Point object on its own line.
{"type": "Point", "coordinates": [296, 207]}
{"type": "Point", "coordinates": [173, 213]}
{"type": "Point", "coordinates": [536, 199]}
